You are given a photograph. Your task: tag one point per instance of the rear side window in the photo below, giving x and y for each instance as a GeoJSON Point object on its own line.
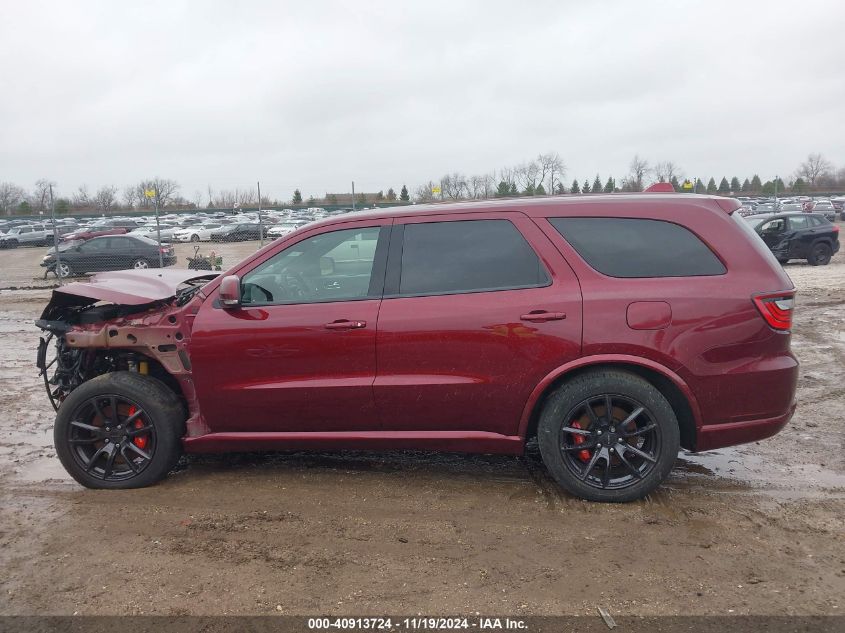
{"type": "Point", "coordinates": [798, 222]}
{"type": "Point", "coordinates": [627, 247]}
{"type": "Point", "coordinates": [467, 256]}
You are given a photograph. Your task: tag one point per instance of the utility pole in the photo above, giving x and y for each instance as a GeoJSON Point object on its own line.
{"type": "Point", "coordinates": [353, 196]}
{"type": "Point", "coordinates": [776, 193]}
{"type": "Point", "coordinates": [55, 237]}
{"type": "Point", "coordinates": [158, 227]}
{"type": "Point", "coordinates": [260, 221]}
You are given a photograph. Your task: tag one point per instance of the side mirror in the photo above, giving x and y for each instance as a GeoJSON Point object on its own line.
{"type": "Point", "coordinates": [230, 291]}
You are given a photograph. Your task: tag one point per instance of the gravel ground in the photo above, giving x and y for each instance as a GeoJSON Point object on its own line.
{"type": "Point", "coordinates": [756, 529]}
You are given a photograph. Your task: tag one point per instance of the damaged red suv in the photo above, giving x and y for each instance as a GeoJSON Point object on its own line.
{"type": "Point", "coordinates": [613, 329]}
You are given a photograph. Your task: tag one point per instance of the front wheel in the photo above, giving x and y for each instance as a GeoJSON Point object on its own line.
{"type": "Point", "coordinates": [609, 436]}
{"type": "Point", "coordinates": [63, 270]}
{"type": "Point", "coordinates": [195, 238]}
{"type": "Point", "coordinates": [119, 430]}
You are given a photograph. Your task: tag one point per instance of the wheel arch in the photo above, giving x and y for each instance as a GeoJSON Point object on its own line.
{"type": "Point", "coordinates": [672, 386]}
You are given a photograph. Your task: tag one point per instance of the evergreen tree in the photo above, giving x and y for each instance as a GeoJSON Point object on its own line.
{"type": "Point", "coordinates": [297, 197]}
{"type": "Point", "coordinates": [62, 206]}
{"type": "Point", "coordinates": [768, 188]}
{"type": "Point", "coordinates": [756, 185]}
{"type": "Point", "coordinates": [597, 185]}
{"type": "Point", "coordinates": [540, 190]}
{"type": "Point", "coordinates": [699, 186]}
{"type": "Point", "coordinates": [610, 185]}
{"type": "Point", "coordinates": [503, 190]}
{"type": "Point", "coordinates": [560, 189]}
{"type": "Point", "coordinates": [586, 187]}
{"type": "Point", "coordinates": [799, 186]}
{"type": "Point", "coordinates": [675, 184]}
{"type": "Point", "coordinates": [391, 195]}
{"type": "Point", "coordinates": [513, 192]}
{"type": "Point", "coordinates": [711, 186]}
{"type": "Point", "coordinates": [403, 195]}
{"type": "Point", "coordinates": [529, 190]}
{"type": "Point", "coordinates": [362, 199]}
{"type": "Point", "coordinates": [746, 186]}
{"type": "Point", "coordinates": [781, 187]}
{"type": "Point", "coordinates": [735, 186]}
{"type": "Point", "coordinates": [724, 186]}
{"type": "Point", "coordinates": [576, 188]}
{"type": "Point", "coordinates": [380, 196]}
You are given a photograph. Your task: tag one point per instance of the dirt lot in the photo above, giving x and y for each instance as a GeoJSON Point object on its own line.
{"type": "Point", "coordinates": [753, 530]}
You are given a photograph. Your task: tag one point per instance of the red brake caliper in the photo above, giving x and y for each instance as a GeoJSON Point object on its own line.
{"type": "Point", "coordinates": [583, 455]}
{"type": "Point", "coordinates": [141, 440]}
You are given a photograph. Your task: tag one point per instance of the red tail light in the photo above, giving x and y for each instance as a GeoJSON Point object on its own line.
{"type": "Point", "coordinates": [776, 308]}
{"type": "Point", "coordinates": [836, 228]}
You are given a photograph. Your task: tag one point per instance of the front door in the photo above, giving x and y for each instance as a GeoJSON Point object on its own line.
{"type": "Point", "coordinates": [473, 318]}
{"type": "Point", "coordinates": [299, 354]}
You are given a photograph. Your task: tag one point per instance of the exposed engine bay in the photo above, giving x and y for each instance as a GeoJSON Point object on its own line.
{"type": "Point", "coordinates": [137, 321]}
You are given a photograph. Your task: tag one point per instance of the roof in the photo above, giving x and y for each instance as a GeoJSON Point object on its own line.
{"type": "Point", "coordinates": [538, 205]}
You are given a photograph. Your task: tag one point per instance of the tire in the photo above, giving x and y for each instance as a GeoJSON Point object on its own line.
{"type": "Point", "coordinates": [195, 238]}
{"type": "Point", "coordinates": [783, 260]}
{"type": "Point", "coordinates": [63, 270]}
{"type": "Point", "coordinates": [140, 264]}
{"type": "Point", "coordinates": [820, 254]}
{"type": "Point", "coordinates": [161, 413]}
{"type": "Point", "coordinates": [610, 472]}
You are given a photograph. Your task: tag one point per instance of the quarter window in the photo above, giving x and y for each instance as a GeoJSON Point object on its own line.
{"type": "Point", "coordinates": [631, 247]}
{"type": "Point", "coordinates": [467, 256]}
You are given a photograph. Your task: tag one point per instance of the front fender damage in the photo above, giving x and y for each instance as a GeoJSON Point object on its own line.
{"type": "Point", "coordinates": [149, 334]}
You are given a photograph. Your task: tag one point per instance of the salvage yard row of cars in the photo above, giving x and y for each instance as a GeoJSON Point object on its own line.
{"type": "Point", "coordinates": [792, 228]}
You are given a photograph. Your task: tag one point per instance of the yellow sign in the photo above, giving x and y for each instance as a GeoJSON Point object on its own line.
{"type": "Point", "coordinates": [435, 190]}
{"type": "Point", "coordinates": [150, 193]}
{"type": "Point", "coordinates": [687, 184]}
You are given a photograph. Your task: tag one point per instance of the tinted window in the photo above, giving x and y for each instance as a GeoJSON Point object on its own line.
{"type": "Point", "coordinates": [467, 256]}
{"type": "Point", "coordinates": [333, 266]}
{"type": "Point", "coordinates": [623, 247]}
{"type": "Point", "coordinates": [798, 222]}
{"type": "Point", "coordinates": [92, 246]}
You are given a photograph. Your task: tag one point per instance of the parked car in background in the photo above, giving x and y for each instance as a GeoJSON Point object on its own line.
{"type": "Point", "coordinates": [150, 231]}
{"type": "Point", "coordinates": [196, 233]}
{"type": "Point", "coordinates": [96, 230]}
{"type": "Point", "coordinates": [27, 235]}
{"type": "Point", "coordinates": [611, 330]}
{"type": "Point", "coordinates": [238, 232]}
{"type": "Point", "coordinates": [111, 252]}
{"type": "Point", "coordinates": [826, 208]}
{"type": "Point", "coordinates": [285, 228]}
{"type": "Point", "coordinates": [809, 236]}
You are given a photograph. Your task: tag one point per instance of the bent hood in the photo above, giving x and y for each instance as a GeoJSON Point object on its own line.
{"type": "Point", "coordinates": [132, 287]}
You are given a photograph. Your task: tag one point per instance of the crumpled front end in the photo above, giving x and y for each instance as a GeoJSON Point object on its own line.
{"type": "Point", "coordinates": [137, 321]}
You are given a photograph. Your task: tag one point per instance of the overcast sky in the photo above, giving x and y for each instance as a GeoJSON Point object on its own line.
{"type": "Point", "coordinates": [314, 94]}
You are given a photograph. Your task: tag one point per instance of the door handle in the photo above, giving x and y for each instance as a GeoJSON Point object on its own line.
{"type": "Point", "coordinates": [541, 316]}
{"type": "Point", "coordinates": [345, 324]}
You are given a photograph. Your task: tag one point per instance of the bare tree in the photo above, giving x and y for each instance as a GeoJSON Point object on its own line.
{"type": "Point", "coordinates": [105, 199]}
{"type": "Point", "coordinates": [552, 168]}
{"type": "Point", "coordinates": [637, 171]}
{"type": "Point", "coordinates": [41, 195]}
{"type": "Point", "coordinates": [666, 170]}
{"type": "Point", "coordinates": [130, 195]}
{"type": "Point", "coordinates": [423, 193]}
{"type": "Point", "coordinates": [80, 198]}
{"type": "Point", "coordinates": [10, 196]}
{"type": "Point", "coordinates": [165, 192]}
{"type": "Point", "coordinates": [454, 185]}
{"type": "Point", "coordinates": [813, 168]}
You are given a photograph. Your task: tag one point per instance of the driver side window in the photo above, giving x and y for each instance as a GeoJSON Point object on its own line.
{"type": "Point", "coordinates": [333, 266]}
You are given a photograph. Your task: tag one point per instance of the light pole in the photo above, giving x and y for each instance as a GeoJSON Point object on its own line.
{"type": "Point", "coordinates": [260, 222]}
{"type": "Point", "coordinates": [55, 237]}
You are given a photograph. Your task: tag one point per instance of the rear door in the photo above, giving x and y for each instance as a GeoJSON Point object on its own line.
{"type": "Point", "coordinates": [478, 308]}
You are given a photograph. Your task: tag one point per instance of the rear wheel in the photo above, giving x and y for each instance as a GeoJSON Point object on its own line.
{"type": "Point", "coordinates": [820, 254]}
{"type": "Point", "coordinates": [608, 435]}
{"type": "Point", "coordinates": [141, 264]}
{"type": "Point", "coordinates": [119, 430]}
